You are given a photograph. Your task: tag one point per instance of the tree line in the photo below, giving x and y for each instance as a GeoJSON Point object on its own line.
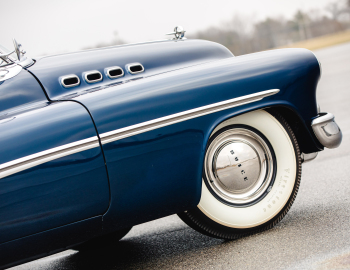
{"type": "Point", "coordinates": [242, 36]}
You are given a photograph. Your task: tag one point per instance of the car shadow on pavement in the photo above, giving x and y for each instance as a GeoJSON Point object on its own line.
{"type": "Point", "coordinates": [133, 253]}
{"type": "Point", "coordinates": [185, 248]}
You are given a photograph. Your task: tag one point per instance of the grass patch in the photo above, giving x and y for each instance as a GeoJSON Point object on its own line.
{"type": "Point", "coordinates": [321, 42]}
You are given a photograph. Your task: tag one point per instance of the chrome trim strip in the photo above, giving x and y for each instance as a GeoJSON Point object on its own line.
{"type": "Point", "coordinates": [129, 131]}
{"type": "Point", "coordinates": [33, 160]}
{"type": "Point", "coordinates": [87, 73]}
{"type": "Point", "coordinates": [107, 70]}
{"type": "Point", "coordinates": [70, 76]}
{"type": "Point", "coordinates": [135, 64]}
{"type": "Point", "coordinates": [30, 161]}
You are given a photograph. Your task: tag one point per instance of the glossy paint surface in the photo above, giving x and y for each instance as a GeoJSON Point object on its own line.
{"type": "Point", "coordinates": [157, 57]}
{"type": "Point", "coordinates": [159, 172]}
{"type": "Point", "coordinates": [152, 174]}
{"type": "Point", "coordinates": [56, 193]}
{"type": "Point", "coordinates": [19, 91]}
{"type": "Point", "coordinates": [44, 243]}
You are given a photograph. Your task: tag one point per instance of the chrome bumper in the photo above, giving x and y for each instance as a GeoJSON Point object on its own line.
{"type": "Point", "coordinates": [326, 130]}
{"type": "Point", "coordinates": [308, 157]}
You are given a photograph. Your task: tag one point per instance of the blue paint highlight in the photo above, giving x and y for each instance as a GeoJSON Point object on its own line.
{"type": "Point", "coordinates": [156, 58]}
{"type": "Point", "coordinates": [294, 71]}
{"type": "Point", "coordinates": [21, 90]}
{"type": "Point", "coordinates": [152, 174]}
{"type": "Point", "coordinates": [58, 192]}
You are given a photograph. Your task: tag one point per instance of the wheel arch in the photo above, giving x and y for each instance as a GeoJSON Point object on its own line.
{"type": "Point", "coordinates": [305, 138]}
{"type": "Point", "coordinates": [259, 214]}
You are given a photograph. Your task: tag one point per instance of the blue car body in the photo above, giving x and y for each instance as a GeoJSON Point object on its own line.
{"type": "Point", "coordinates": [78, 162]}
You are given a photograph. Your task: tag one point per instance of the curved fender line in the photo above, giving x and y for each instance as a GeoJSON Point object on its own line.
{"type": "Point", "coordinates": [30, 161]}
{"type": "Point", "coordinates": [33, 160]}
{"type": "Point", "coordinates": [129, 131]}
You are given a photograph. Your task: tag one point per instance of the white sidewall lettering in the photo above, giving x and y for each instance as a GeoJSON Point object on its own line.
{"type": "Point", "coordinates": [272, 204]}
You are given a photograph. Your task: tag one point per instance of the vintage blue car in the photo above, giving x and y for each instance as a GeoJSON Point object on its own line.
{"type": "Point", "coordinates": [95, 142]}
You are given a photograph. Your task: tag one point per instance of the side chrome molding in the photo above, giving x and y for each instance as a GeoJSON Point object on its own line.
{"type": "Point", "coordinates": [33, 160]}
{"type": "Point", "coordinates": [30, 161]}
{"type": "Point", "coordinates": [122, 133]}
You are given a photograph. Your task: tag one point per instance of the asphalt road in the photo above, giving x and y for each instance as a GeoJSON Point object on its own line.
{"type": "Point", "coordinates": [315, 234]}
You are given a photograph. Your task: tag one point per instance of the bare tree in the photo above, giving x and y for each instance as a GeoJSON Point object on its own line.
{"type": "Point", "coordinates": [242, 35]}
{"type": "Point", "coordinates": [334, 9]}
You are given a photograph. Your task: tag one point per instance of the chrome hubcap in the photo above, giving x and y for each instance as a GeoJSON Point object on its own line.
{"type": "Point", "coordinates": [239, 166]}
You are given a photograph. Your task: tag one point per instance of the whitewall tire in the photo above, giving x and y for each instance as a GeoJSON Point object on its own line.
{"type": "Point", "coordinates": [251, 176]}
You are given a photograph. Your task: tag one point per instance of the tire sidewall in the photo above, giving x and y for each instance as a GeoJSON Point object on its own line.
{"type": "Point", "coordinates": [285, 177]}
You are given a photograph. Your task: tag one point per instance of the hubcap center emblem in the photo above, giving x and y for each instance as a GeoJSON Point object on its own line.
{"type": "Point", "coordinates": [237, 167]}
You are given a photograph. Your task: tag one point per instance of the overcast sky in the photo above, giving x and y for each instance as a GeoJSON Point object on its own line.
{"type": "Point", "coordinates": [50, 26]}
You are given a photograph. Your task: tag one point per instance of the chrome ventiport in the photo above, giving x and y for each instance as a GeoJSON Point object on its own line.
{"type": "Point", "coordinates": [239, 166]}
{"type": "Point", "coordinates": [114, 72]}
{"type": "Point", "coordinates": [135, 68]}
{"type": "Point", "coordinates": [69, 81]}
{"type": "Point", "coordinates": [326, 130]}
{"type": "Point", "coordinates": [92, 76]}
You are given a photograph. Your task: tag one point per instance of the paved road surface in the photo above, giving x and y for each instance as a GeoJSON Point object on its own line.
{"type": "Point", "coordinates": [315, 234]}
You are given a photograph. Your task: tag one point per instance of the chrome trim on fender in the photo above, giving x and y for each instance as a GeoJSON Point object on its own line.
{"type": "Point", "coordinates": [326, 130]}
{"type": "Point", "coordinates": [33, 160]}
{"type": "Point", "coordinates": [30, 161]}
{"type": "Point", "coordinates": [129, 131]}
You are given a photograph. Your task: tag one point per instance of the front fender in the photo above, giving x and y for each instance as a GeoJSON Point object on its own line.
{"type": "Point", "coordinates": [158, 172]}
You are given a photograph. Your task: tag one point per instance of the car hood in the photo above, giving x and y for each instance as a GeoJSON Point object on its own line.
{"type": "Point", "coordinates": [156, 57]}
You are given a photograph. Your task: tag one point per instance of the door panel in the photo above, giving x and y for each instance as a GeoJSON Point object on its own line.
{"type": "Point", "coordinates": [52, 170]}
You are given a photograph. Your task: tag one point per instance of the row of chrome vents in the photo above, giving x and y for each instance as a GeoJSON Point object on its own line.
{"type": "Point", "coordinates": [95, 76]}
